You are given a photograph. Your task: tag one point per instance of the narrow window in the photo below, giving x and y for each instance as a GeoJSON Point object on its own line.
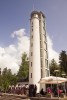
{"type": "Point", "coordinates": [41, 73]}
{"type": "Point", "coordinates": [31, 53]}
{"type": "Point", "coordinates": [32, 23]}
{"type": "Point", "coordinates": [32, 29]}
{"type": "Point", "coordinates": [46, 62]}
{"type": "Point", "coordinates": [32, 36]}
{"type": "Point", "coordinates": [31, 44]}
{"type": "Point", "coordinates": [31, 64]}
{"type": "Point", "coordinates": [40, 36]}
{"type": "Point", "coordinates": [31, 75]}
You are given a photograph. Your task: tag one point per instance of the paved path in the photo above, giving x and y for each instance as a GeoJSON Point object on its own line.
{"type": "Point", "coordinates": [5, 96]}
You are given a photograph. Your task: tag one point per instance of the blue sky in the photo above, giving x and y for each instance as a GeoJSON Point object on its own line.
{"type": "Point", "coordinates": [15, 27]}
{"type": "Point", "coordinates": [15, 14]}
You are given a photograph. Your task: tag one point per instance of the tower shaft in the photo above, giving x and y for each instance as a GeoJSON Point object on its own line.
{"type": "Point", "coordinates": [38, 65]}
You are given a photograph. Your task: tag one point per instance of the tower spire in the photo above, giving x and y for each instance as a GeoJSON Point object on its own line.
{"type": "Point", "coordinates": [33, 5]}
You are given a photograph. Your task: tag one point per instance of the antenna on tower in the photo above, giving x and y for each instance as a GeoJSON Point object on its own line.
{"type": "Point", "coordinates": [33, 5]}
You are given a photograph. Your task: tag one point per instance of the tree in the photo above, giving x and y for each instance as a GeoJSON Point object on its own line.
{"type": "Point", "coordinates": [63, 61]}
{"type": "Point", "coordinates": [13, 80]}
{"type": "Point", "coordinates": [7, 78]}
{"type": "Point", "coordinates": [6, 75]}
{"type": "Point", "coordinates": [24, 68]}
{"type": "Point", "coordinates": [53, 66]}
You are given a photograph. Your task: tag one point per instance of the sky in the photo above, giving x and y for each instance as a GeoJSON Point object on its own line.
{"type": "Point", "coordinates": [15, 29]}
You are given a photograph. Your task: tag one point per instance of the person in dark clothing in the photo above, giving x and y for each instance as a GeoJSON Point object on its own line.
{"type": "Point", "coordinates": [34, 90]}
{"type": "Point", "coordinates": [55, 92]}
{"type": "Point", "coordinates": [31, 90]}
{"type": "Point", "coordinates": [42, 92]}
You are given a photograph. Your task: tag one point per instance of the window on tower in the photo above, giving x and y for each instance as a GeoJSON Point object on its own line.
{"type": "Point", "coordinates": [31, 53]}
{"type": "Point", "coordinates": [32, 29]}
{"type": "Point", "coordinates": [41, 62]}
{"type": "Point", "coordinates": [44, 23]}
{"type": "Point", "coordinates": [32, 24]}
{"type": "Point", "coordinates": [41, 73]}
{"type": "Point", "coordinates": [32, 36]}
{"type": "Point", "coordinates": [41, 52]}
{"type": "Point", "coordinates": [46, 63]}
{"type": "Point", "coordinates": [40, 44]}
{"type": "Point", "coordinates": [43, 27]}
{"type": "Point", "coordinates": [31, 75]}
{"type": "Point", "coordinates": [31, 44]}
{"type": "Point", "coordinates": [31, 64]}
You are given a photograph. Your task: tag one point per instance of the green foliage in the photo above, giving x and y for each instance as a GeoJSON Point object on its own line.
{"type": "Point", "coordinates": [62, 66]}
{"type": "Point", "coordinates": [13, 80]}
{"type": "Point", "coordinates": [63, 62]}
{"type": "Point", "coordinates": [53, 66]}
{"type": "Point", "coordinates": [24, 68]}
{"type": "Point", "coordinates": [5, 85]}
{"type": "Point", "coordinates": [6, 79]}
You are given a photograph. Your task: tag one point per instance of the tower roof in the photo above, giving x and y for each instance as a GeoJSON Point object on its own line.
{"type": "Point", "coordinates": [36, 12]}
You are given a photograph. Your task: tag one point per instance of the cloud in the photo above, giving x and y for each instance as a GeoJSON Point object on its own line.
{"type": "Point", "coordinates": [51, 52]}
{"type": "Point", "coordinates": [19, 33]}
{"type": "Point", "coordinates": [10, 56]}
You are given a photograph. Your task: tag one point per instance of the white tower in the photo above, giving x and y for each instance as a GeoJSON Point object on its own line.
{"type": "Point", "coordinates": [38, 60]}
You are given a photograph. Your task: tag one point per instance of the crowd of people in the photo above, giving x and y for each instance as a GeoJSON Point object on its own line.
{"type": "Point", "coordinates": [31, 90]}
{"type": "Point", "coordinates": [18, 89]}
{"type": "Point", "coordinates": [54, 90]}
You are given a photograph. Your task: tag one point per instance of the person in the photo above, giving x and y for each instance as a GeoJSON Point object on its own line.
{"type": "Point", "coordinates": [34, 90]}
{"type": "Point", "coordinates": [35, 87]}
{"type": "Point", "coordinates": [55, 92]}
{"type": "Point", "coordinates": [49, 90]}
{"type": "Point", "coordinates": [42, 91]}
{"type": "Point", "coordinates": [59, 91]}
{"type": "Point", "coordinates": [31, 90]}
